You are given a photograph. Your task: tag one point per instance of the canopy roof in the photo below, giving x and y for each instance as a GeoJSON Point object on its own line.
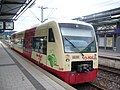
{"type": "Point", "coordinates": [12, 9]}
{"type": "Point", "coordinates": [105, 17]}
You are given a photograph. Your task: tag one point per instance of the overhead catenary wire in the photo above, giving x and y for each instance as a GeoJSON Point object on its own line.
{"type": "Point", "coordinates": [34, 15]}
{"type": "Point", "coordinates": [52, 11]}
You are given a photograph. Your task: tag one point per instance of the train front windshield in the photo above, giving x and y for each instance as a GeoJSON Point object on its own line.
{"type": "Point", "coordinates": [78, 38]}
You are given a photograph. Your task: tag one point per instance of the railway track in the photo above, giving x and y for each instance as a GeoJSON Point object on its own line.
{"type": "Point", "coordinates": [89, 86]}
{"type": "Point", "coordinates": [96, 86]}
{"type": "Point", "coordinates": [109, 69]}
{"type": "Point", "coordinates": [108, 77]}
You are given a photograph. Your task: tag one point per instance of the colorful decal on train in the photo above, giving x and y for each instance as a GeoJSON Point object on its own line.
{"type": "Point", "coordinates": [39, 56]}
{"type": "Point", "coordinates": [89, 57]}
{"type": "Point", "coordinates": [52, 59]}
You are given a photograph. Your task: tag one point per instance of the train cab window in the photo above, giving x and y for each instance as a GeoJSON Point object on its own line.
{"type": "Point", "coordinates": [40, 44]}
{"type": "Point", "coordinates": [51, 35]}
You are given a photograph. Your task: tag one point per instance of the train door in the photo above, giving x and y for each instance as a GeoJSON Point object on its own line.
{"type": "Point", "coordinates": [43, 49]}
{"type": "Point", "coordinates": [51, 49]}
{"type": "Point", "coordinates": [28, 42]}
{"type": "Point", "coordinates": [39, 46]}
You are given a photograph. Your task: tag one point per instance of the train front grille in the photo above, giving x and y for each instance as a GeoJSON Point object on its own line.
{"type": "Point", "coordinates": [81, 66]}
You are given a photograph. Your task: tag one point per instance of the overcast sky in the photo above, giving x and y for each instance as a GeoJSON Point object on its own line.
{"type": "Point", "coordinates": [62, 9]}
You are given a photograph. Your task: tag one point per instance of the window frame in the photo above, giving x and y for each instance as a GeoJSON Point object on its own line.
{"type": "Point", "coordinates": [51, 37]}
{"type": "Point", "coordinates": [42, 44]}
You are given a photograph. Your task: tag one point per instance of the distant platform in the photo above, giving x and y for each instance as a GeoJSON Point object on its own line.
{"type": "Point", "coordinates": [109, 58]}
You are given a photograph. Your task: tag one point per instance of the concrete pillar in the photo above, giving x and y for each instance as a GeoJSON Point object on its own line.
{"type": "Point", "coordinates": [113, 43]}
{"type": "Point", "coordinates": [118, 44]}
{"type": "Point", "coordinates": [105, 42]}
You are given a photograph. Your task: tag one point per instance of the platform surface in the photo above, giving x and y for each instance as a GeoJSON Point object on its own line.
{"type": "Point", "coordinates": [109, 54]}
{"type": "Point", "coordinates": [17, 73]}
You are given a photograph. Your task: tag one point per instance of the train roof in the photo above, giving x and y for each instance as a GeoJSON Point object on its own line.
{"type": "Point", "coordinates": [57, 21]}
{"type": "Point", "coordinates": [24, 30]}
{"type": "Point", "coordinates": [68, 21]}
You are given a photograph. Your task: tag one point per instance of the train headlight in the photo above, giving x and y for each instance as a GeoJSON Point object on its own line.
{"type": "Point", "coordinates": [67, 60]}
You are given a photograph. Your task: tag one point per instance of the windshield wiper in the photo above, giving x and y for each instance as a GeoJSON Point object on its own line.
{"type": "Point", "coordinates": [74, 46]}
{"type": "Point", "coordinates": [88, 45]}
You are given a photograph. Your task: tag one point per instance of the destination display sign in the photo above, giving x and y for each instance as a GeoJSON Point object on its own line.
{"type": "Point", "coordinates": [6, 25]}
{"type": "Point", "coordinates": [9, 25]}
{"type": "Point", "coordinates": [1, 25]}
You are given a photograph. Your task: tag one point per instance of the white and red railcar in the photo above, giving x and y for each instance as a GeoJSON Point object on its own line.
{"type": "Point", "coordinates": [68, 49]}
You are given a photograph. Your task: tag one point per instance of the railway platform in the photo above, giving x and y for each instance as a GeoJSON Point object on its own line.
{"type": "Point", "coordinates": [109, 58]}
{"type": "Point", "coordinates": [17, 73]}
{"type": "Point", "coordinates": [109, 54]}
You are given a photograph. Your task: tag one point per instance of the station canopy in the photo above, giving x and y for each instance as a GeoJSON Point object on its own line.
{"type": "Point", "coordinates": [105, 17]}
{"type": "Point", "coordinates": [12, 9]}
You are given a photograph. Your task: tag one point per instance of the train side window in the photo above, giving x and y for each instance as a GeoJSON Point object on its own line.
{"type": "Point", "coordinates": [51, 35]}
{"type": "Point", "coordinates": [40, 44]}
{"type": "Point", "coordinates": [22, 42]}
